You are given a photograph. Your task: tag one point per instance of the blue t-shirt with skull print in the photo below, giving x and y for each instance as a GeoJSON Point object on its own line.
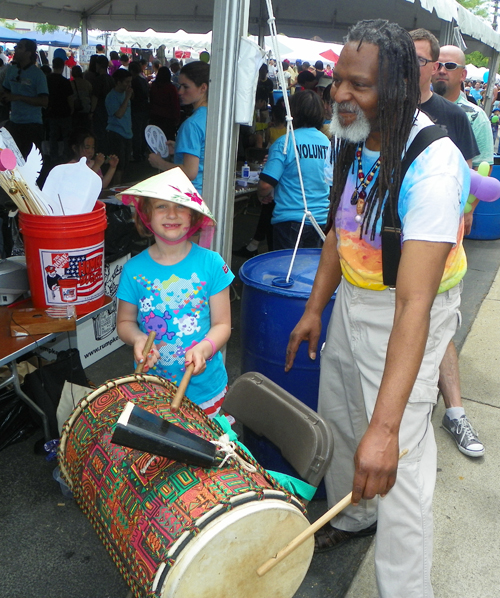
{"type": "Point", "coordinates": [174, 302]}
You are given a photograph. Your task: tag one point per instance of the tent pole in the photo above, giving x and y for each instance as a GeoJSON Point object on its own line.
{"type": "Point", "coordinates": [230, 22]}
{"type": "Point", "coordinates": [263, 26]}
{"type": "Point", "coordinates": [493, 63]}
{"type": "Point", "coordinates": [85, 33]}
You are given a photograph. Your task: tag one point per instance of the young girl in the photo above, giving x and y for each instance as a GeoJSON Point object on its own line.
{"type": "Point", "coordinates": [189, 146]}
{"type": "Point", "coordinates": [177, 289]}
{"type": "Point", "coordinates": [83, 146]}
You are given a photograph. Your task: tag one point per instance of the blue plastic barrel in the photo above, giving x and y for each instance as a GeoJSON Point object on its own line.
{"type": "Point", "coordinates": [486, 221]}
{"type": "Point", "coordinates": [270, 309]}
{"type": "Point", "coordinates": [278, 93]}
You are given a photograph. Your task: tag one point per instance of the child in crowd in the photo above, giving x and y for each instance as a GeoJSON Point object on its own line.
{"type": "Point", "coordinates": [327, 105]}
{"type": "Point", "coordinates": [261, 117]}
{"type": "Point", "coordinates": [82, 144]}
{"type": "Point", "coordinates": [277, 126]}
{"type": "Point", "coordinates": [114, 62]}
{"type": "Point", "coordinates": [495, 121]}
{"type": "Point", "coordinates": [176, 288]}
{"type": "Point", "coordinates": [119, 128]}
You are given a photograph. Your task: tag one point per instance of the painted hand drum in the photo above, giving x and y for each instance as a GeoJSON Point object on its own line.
{"type": "Point", "coordinates": [178, 531]}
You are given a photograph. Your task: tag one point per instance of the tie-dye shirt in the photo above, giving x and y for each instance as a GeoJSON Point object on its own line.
{"type": "Point", "coordinates": [431, 205]}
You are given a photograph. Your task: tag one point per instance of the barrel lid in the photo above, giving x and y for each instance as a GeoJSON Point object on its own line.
{"type": "Point", "coordinates": [268, 272]}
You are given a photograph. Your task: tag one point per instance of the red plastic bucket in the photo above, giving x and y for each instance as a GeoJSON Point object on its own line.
{"type": "Point", "coordinates": [65, 258]}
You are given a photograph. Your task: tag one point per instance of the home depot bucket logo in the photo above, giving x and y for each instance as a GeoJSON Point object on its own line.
{"type": "Point", "coordinates": [73, 275]}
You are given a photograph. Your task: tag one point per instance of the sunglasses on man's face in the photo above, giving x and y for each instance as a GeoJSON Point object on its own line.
{"type": "Point", "coordinates": [450, 66]}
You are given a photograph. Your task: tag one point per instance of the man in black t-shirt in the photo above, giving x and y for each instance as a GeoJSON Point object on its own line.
{"type": "Point", "coordinates": [101, 86]}
{"type": "Point", "coordinates": [442, 112]}
{"type": "Point", "coordinates": [447, 115]}
{"type": "Point", "coordinates": [139, 107]}
{"type": "Point", "coordinates": [59, 110]}
{"type": "Point", "coordinates": [265, 83]}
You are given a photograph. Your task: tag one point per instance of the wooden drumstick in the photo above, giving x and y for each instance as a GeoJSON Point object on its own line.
{"type": "Point", "coordinates": [308, 532]}
{"type": "Point", "coordinates": [147, 349]}
{"type": "Point", "coordinates": [179, 395]}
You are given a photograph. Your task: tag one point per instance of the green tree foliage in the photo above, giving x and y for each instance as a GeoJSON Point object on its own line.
{"type": "Point", "coordinates": [46, 28]}
{"type": "Point", "coordinates": [476, 7]}
{"type": "Point", "coordinates": [7, 25]}
{"type": "Point", "coordinates": [477, 59]}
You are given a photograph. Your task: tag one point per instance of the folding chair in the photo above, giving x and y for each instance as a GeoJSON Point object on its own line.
{"type": "Point", "coordinates": [303, 437]}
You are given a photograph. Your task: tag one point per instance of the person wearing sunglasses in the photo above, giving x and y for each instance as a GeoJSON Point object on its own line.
{"type": "Point", "coordinates": [25, 87]}
{"type": "Point", "coordinates": [447, 81]}
{"type": "Point", "coordinates": [455, 121]}
{"type": "Point", "coordinates": [442, 112]}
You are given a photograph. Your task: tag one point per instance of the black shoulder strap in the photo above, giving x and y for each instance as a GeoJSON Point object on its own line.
{"type": "Point", "coordinates": [391, 226]}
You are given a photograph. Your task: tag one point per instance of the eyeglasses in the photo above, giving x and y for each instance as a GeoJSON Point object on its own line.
{"type": "Point", "coordinates": [423, 61]}
{"type": "Point", "coordinates": [450, 66]}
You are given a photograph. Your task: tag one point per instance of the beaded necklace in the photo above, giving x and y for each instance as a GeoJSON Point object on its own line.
{"type": "Point", "coordinates": [359, 194]}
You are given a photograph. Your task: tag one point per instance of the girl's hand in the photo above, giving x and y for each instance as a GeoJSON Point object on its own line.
{"type": "Point", "coordinates": [99, 160]}
{"type": "Point", "coordinates": [156, 161]}
{"type": "Point", "coordinates": [152, 357]}
{"type": "Point", "coordinates": [199, 355]}
{"type": "Point", "coordinates": [113, 161]}
{"type": "Point", "coordinates": [171, 147]}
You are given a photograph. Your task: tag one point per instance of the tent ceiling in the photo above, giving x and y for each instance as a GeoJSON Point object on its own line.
{"type": "Point", "coordinates": [328, 20]}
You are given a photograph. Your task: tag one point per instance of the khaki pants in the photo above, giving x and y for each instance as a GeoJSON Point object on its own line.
{"type": "Point", "coordinates": [352, 363]}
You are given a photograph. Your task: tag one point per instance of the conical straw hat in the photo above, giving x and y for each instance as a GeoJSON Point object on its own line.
{"type": "Point", "coordinates": [172, 185]}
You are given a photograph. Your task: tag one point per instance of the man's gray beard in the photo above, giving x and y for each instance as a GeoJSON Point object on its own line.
{"type": "Point", "coordinates": [357, 131]}
{"type": "Point", "coordinates": [440, 87]}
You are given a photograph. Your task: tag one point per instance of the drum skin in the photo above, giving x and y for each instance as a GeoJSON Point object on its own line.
{"type": "Point", "coordinates": [178, 531]}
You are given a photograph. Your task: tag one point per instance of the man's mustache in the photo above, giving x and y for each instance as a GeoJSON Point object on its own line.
{"type": "Point", "coordinates": [346, 107]}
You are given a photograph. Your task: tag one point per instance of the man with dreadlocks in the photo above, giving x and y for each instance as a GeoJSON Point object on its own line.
{"type": "Point", "coordinates": [380, 362]}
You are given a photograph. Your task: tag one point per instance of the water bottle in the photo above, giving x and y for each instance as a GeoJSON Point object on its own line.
{"type": "Point", "coordinates": [245, 171]}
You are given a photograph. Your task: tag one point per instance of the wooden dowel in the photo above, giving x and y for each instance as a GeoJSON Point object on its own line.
{"type": "Point", "coordinates": [308, 532]}
{"type": "Point", "coordinates": [179, 395]}
{"type": "Point", "coordinates": [147, 349]}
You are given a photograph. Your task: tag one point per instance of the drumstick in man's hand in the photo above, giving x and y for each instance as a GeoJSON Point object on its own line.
{"type": "Point", "coordinates": [308, 532]}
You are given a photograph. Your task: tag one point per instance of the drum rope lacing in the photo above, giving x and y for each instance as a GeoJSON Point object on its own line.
{"type": "Point", "coordinates": [227, 447]}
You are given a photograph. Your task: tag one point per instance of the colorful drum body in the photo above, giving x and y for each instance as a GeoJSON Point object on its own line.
{"type": "Point", "coordinates": [178, 531]}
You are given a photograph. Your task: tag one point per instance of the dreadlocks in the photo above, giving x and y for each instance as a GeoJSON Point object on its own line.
{"type": "Point", "coordinates": [398, 97]}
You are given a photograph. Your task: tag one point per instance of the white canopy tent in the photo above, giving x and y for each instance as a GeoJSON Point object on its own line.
{"type": "Point", "coordinates": [230, 20]}
{"type": "Point", "coordinates": [151, 38]}
{"type": "Point", "coordinates": [328, 20]}
{"type": "Point", "coordinates": [304, 49]}
{"type": "Point", "coordinates": [291, 48]}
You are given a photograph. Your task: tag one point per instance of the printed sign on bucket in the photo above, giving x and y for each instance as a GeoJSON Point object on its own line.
{"type": "Point", "coordinates": [73, 275]}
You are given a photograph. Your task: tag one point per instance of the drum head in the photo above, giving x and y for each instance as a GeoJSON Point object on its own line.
{"type": "Point", "coordinates": [221, 562]}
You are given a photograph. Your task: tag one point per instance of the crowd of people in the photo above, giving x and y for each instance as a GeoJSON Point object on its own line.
{"type": "Point", "coordinates": [111, 101]}
{"type": "Point", "coordinates": [387, 184]}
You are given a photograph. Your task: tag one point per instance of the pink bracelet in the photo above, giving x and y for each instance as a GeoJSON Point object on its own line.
{"type": "Point", "coordinates": [214, 348]}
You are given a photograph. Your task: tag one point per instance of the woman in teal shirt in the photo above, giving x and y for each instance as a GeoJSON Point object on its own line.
{"type": "Point", "coordinates": [189, 152]}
